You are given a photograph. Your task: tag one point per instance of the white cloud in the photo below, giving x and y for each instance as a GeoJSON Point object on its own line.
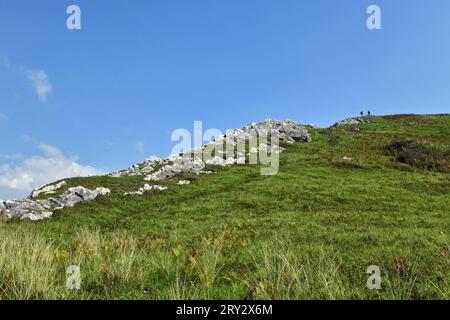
{"type": "Point", "coordinates": [40, 81]}
{"type": "Point", "coordinates": [50, 151]}
{"type": "Point", "coordinates": [17, 180]}
{"type": "Point", "coordinates": [139, 146]}
{"type": "Point", "coordinates": [11, 157]}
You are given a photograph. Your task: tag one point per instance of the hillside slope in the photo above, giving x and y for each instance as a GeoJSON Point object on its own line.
{"type": "Point", "coordinates": [357, 195]}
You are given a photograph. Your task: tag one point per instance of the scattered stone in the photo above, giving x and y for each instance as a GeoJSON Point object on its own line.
{"type": "Point", "coordinates": [346, 158]}
{"type": "Point", "coordinates": [145, 188]}
{"type": "Point", "coordinates": [183, 182]}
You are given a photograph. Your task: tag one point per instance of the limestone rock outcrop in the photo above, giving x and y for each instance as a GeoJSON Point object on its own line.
{"type": "Point", "coordinates": [352, 121]}
{"type": "Point", "coordinates": [42, 209]}
{"type": "Point", "coordinates": [157, 169]}
{"type": "Point", "coordinates": [47, 189]}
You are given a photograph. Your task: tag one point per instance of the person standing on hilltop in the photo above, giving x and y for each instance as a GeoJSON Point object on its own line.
{"type": "Point", "coordinates": [361, 113]}
{"type": "Point", "coordinates": [368, 113]}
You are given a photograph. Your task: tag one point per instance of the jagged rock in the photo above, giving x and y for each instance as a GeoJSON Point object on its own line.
{"type": "Point", "coordinates": [271, 149]}
{"type": "Point", "coordinates": [217, 161]}
{"type": "Point", "coordinates": [143, 168]}
{"type": "Point", "coordinates": [287, 130]}
{"type": "Point", "coordinates": [145, 188]}
{"type": "Point", "coordinates": [37, 217]}
{"type": "Point", "coordinates": [351, 121]}
{"type": "Point", "coordinates": [19, 207]}
{"type": "Point", "coordinates": [47, 189]}
{"type": "Point", "coordinates": [86, 194]}
{"type": "Point", "coordinates": [169, 171]}
{"type": "Point", "coordinates": [43, 209]}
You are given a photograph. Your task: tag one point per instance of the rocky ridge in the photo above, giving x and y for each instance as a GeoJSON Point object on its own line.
{"type": "Point", "coordinates": [352, 121]}
{"type": "Point", "coordinates": [157, 169]}
{"type": "Point", "coordinates": [43, 209]}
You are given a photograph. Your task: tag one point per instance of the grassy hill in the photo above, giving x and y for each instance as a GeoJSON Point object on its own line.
{"type": "Point", "coordinates": [310, 231]}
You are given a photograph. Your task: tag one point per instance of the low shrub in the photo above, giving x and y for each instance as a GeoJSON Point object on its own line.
{"type": "Point", "coordinates": [419, 154]}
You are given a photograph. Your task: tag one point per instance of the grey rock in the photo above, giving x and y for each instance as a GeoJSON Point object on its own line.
{"type": "Point", "coordinates": [36, 217]}
{"type": "Point", "coordinates": [169, 171]}
{"type": "Point", "coordinates": [156, 169]}
{"type": "Point", "coordinates": [217, 161]}
{"type": "Point", "coordinates": [351, 121]}
{"type": "Point", "coordinates": [43, 209]}
{"type": "Point", "coordinates": [47, 189]}
{"type": "Point", "coordinates": [287, 130]}
{"type": "Point", "coordinates": [145, 188]}
{"type": "Point", "coordinates": [143, 168]}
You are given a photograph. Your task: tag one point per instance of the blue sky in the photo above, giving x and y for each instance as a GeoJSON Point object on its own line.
{"type": "Point", "coordinates": [110, 94]}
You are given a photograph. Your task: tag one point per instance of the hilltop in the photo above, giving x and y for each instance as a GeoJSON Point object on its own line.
{"type": "Point", "coordinates": [360, 193]}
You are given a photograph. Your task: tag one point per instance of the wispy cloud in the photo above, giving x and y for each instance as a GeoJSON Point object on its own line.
{"type": "Point", "coordinates": [18, 179]}
{"type": "Point", "coordinates": [11, 157]}
{"type": "Point", "coordinates": [140, 147]}
{"type": "Point", "coordinates": [40, 81]}
{"type": "Point", "coordinates": [27, 138]}
{"type": "Point", "coordinates": [38, 78]}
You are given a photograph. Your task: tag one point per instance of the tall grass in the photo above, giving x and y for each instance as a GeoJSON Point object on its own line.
{"type": "Point", "coordinates": [34, 268]}
{"type": "Point", "coordinates": [118, 265]}
{"type": "Point", "coordinates": [281, 273]}
{"type": "Point", "coordinates": [109, 261]}
{"type": "Point", "coordinates": [28, 267]}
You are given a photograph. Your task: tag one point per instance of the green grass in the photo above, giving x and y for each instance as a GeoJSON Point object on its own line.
{"type": "Point", "coordinates": [308, 232]}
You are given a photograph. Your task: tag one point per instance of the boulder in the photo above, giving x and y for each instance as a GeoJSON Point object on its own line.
{"type": "Point", "coordinates": [217, 161]}
{"type": "Point", "coordinates": [42, 209]}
